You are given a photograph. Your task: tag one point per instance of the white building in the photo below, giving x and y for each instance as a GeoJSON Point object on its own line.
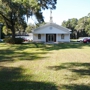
{"type": "Point", "coordinates": [51, 32]}
{"type": "Point", "coordinates": [26, 37]}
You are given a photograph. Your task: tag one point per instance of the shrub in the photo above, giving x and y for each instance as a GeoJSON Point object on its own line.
{"type": "Point", "coordinates": [14, 41]}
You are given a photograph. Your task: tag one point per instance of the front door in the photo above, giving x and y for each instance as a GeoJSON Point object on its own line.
{"type": "Point", "coordinates": [50, 37]}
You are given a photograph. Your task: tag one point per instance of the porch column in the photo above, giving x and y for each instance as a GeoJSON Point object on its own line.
{"type": "Point", "coordinates": [45, 38]}
{"type": "Point", "coordinates": [56, 37]}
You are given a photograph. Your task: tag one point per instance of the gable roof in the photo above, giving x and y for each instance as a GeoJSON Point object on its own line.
{"type": "Point", "coordinates": [54, 25]}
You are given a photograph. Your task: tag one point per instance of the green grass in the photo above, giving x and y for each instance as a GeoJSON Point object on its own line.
{"type": "Point", "coordinates": [65, 66]}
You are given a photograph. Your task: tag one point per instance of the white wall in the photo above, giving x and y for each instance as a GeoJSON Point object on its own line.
{"type": "Point", "coordinates": [48, 30]}
{"type": "Point", "coordinates": [43, 38]}
{"type": "Point", "coordinates": [66, 38]}
{"type": "Point", "coordinates": [26, 37]}
{"type": "Point", "coordinates": [58, 38]}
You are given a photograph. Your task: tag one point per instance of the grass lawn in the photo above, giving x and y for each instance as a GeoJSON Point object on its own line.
{"type": "Point", "coordinates": [64, 66]}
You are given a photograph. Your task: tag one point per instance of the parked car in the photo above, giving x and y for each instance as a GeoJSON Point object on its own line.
{"type": "Point", "coordinates": [86, 40]}
{"type": "Point", "coordinates": [82, 38]}
{"type": "Point", "coordinates": [25, 39]}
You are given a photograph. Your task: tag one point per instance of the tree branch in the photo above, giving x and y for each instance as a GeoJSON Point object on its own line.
{"type": "Point", "coordinates": [4, 17]}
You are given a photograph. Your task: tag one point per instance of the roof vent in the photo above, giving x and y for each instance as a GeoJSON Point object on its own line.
{"type": "Point", "coordinates": [50, 27]}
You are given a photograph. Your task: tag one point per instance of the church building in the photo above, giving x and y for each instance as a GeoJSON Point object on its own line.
{"type": "Point", "coordinates": [51, 32]}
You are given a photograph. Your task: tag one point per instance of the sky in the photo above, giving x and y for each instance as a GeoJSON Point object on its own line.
{"type": "Point", "coordinates": [67, 9]}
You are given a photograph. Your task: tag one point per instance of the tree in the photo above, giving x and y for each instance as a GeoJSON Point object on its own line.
{"type": "Point", "coordinates": [40, 24]}
{"type": "Point", "coordinates": [1, 32]}
{"type": "Point", "coordinates": [6, 31]}
{"type": "Point", "coordinates": [87, 25]}
{"type": "Point", "coordinates": [71, 23]}
{"type": "Point", "coordinates": [80, 27]}
{"type": "Point", "coordinates": [88, 29]}
{"type": "Point", "coordinates": [29, 28]}
{"type": "Point", "coordinates": [13, 12]}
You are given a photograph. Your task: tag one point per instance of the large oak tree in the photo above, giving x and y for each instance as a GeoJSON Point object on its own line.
{"type": "Point", "coordinates": [13, 13]}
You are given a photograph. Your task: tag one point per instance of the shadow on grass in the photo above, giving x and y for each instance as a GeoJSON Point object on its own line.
{"type": "Point", "coordinates": [78, 68]}
{"type": "Point", "coordinates": [66, 46]}
{"type": "Point", "coordinates": [16, 52]}
{"type": "Point", "coordinates": [50, 47]}
{"type": "Point", "coordinates": [75, 87]}
{"type": "Point", "coordinates": [30, 45]}
{"type": "Point", "coordinates": [10, 55]}
{"type": "Point", "coordinates": [13, 52]}
{"type": "Point", "coordinates": [14, 79]}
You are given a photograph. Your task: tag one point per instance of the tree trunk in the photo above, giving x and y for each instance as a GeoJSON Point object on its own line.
{"type": "Point", "coordinates": [13, 31]}
{"type": "Point", "coordinates": [13, 34]}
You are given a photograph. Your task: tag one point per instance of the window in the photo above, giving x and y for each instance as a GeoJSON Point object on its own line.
{"type": "Point", "coordinates": [62, 36]}
{"type": "Point", "coordinates": [39, 36]}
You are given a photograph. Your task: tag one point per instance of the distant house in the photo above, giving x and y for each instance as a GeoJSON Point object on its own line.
{"type": "Point", "coordinates": [51, 32]}
{"type": "Point", "coordinates": [27, 37]}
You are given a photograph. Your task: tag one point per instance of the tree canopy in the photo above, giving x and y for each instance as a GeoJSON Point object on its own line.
{"type": "Point", "coordinates": [80, 27]}
{"type": "Point", "coordinates": [13, 13]}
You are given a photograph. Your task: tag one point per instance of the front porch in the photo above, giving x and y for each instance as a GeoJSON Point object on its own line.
{"type": "Point", "coordinates": [50, 38]}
